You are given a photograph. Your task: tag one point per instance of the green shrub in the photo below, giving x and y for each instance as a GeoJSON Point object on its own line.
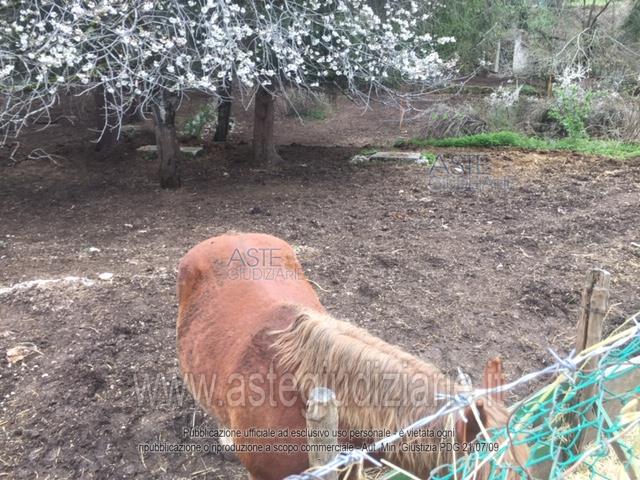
{"type": "Point", "coordinates": [529, 90]}
{"type": "Point", "coordinates": [204, 119]}
{"type": "Point", "coordinates": [631, 26]}
{"type": "Point", "coordinates": [571, 110]}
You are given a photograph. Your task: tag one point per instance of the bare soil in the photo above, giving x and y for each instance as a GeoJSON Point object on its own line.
{"type": "Point", "coordinates": [454, 276]}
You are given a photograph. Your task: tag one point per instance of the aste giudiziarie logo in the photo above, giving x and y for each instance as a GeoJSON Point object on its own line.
{"type": "Point", "coordinates": [465, 172]}
{"type": "Point", "coordinates": [260, 263]}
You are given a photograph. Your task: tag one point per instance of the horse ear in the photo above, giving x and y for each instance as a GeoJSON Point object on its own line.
{"type": "Point", "coordinates": [493, 378]}
{"type": "Point", "coordinates": [467, 431]}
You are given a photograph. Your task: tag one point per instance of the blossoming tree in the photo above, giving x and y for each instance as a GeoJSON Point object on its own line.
{"type": "Point", "coordinates": [147, 54]}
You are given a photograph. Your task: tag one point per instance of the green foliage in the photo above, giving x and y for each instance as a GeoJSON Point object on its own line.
{"type": "Point", "coordinates": [468, 21]}
{"type": "Point", "coordinates": [316, 113]}
{"type": "Point", "coordinates": [571, 110]}
{"type": "Point", "coordinates": [604, 148]}
{"type": "Point", "coordinates": [631, 26]}
{"type": "Point", "coordinates": [529, 90]}
{"type": "Point", "coordinates": [367, 152]}
{"type": "Point", "coordinates": [195, 126]}
{"type": "Point", "coordinates": [542, 20]}
{"type": "Point", "coordinates": [429, 157]}
{"type": "Point", "coordinates": [476, 25]}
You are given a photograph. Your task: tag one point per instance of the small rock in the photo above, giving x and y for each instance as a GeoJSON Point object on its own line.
{"type": "Point", "coordinates": [305, 251]}
{"type": "Point", "coordinates": [190, 151]}
{"type": "Point", "coordinates": [20, 352]}
{"type": "Point", "coordinates": [106, 276]}
{"type": "Point", "coordinates": [412, 157]}
{"type": "Point", "coordinates": [94, 250]}
{"type": "Point", "coordinates": [147, 148]}
{"type": "Point", "coordinates": [359, 159]}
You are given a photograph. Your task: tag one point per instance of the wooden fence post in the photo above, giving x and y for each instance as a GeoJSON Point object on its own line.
{"type": "Point", "coordinates": [593, 308]}
{"type": "Point", "coordinates": [322, 423]}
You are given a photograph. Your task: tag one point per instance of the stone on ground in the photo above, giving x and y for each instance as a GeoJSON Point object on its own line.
{"type": "Point", "coordinates": [189, 151]}
{"type": "Point", "coordinates": [378, 157]}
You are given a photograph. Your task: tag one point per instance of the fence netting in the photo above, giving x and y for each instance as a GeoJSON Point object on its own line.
{"type": "Point", "coordinates": [583, 424]}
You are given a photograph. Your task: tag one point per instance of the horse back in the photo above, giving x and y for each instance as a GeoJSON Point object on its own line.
{"type": "Point", "coordinates": [231, 289]}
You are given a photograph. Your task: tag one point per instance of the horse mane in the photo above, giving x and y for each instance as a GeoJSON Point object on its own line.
{"type": "Point", "coordinates": [377, 385]}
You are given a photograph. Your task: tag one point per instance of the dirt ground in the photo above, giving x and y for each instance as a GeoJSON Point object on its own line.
{"type": "Point", "coordinates": [454, 276]}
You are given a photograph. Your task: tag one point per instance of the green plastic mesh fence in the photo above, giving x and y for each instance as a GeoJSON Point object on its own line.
{"type": "Point", "coordinates": [584, 425]}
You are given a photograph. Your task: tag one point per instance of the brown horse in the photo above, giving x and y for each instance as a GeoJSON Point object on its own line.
{"type": "Point", "coordinates": [253, 339]}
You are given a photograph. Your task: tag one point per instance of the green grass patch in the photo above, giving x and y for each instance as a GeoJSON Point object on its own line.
{"type": "Point", "coordinates": [430, 157]}
{"type": "Point", "coordinates": [316, 113]}
{"type": "Point", "coordinates": [367, 152]}
{"type": "Point", "coordinates": [604, 148]}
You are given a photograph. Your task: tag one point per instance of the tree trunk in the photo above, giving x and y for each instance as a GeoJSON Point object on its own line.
{"type": "Point", "coordinates": [520, 54]}
{"type": "Point", "coordinates": [264, 147]}
{"type": "Point", "coordinates": [167, 142]}
{"type": "Point", "coordinates": [104, 121]}
{"type": "Point", "coordinates": [224, 117]}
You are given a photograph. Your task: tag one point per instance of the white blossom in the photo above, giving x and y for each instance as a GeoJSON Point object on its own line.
{"type": "Point", "coordinates": [139, 50]}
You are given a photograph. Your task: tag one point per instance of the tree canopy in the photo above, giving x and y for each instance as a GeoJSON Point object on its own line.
{"type": "Point", "coordinates": [139, 52]}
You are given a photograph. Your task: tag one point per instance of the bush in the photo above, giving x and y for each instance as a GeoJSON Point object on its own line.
{"type": "Point", "coordinates": [202, 123]}
{"type": "Point", "coordinates": [615, 117]}
{"type": "Point", "coordinates": [572, 102]}
{"type": "Point", "coordinates": [571, 110]}
{"type": "Point", "coordinates": [529, 90]}
{"type": "Point", "coordinates": [446, 120]}
{"type": "Point", "coordinates": [512, 109]}
{"type": "Point", "coordinates": [503, 108]}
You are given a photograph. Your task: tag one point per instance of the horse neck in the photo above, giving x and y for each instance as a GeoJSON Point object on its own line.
{"type": "Point", "coordinates": [377, 385]}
